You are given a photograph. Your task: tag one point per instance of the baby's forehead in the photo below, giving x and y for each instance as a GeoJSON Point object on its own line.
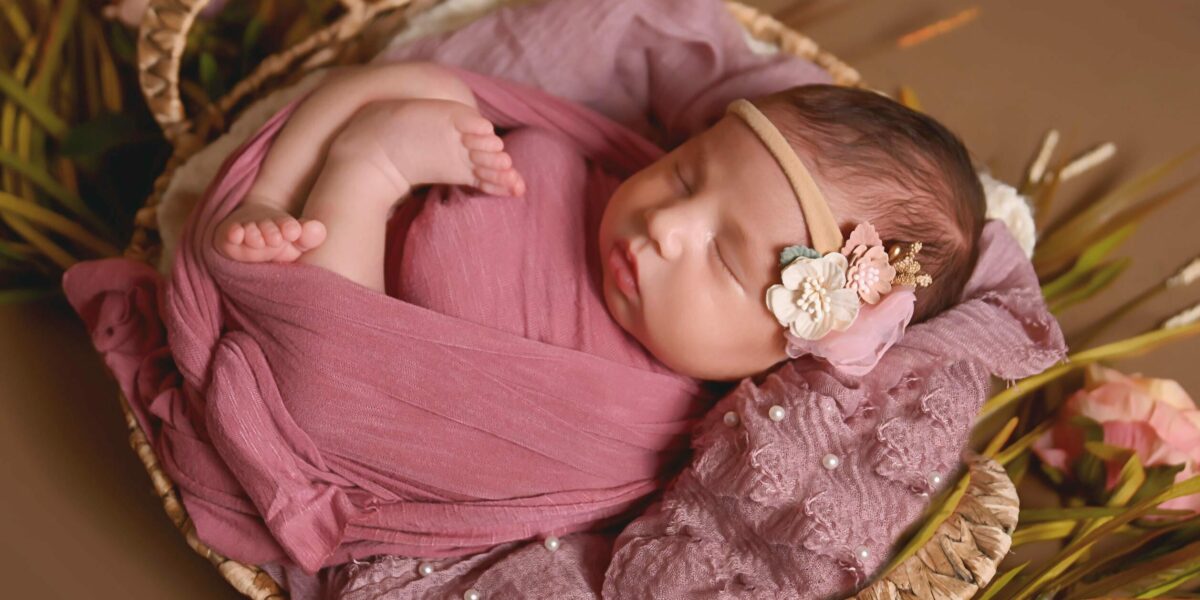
{"type": "Point", "coordinates": [749, 179]}
{"type": "Point", "coordinates": [754, 196]}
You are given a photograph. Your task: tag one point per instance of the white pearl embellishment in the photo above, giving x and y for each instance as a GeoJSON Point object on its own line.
{"type": "Point", "coordinates": [472, 594]}
{"type": "Point", "coordinates": [831, 462]}
{"type": "Point", "coordinates": [776, 413]}
{"type": "Point", "coordinates": [862, 553]}
{"type": "Point", "coordinates": [425, 569]}
{"type": "Point", "coordinates": [935, 479]}
{"type": "Point", "coordinates": [551, 543]}
{"type": "Point", "coordinates": [731, 419]}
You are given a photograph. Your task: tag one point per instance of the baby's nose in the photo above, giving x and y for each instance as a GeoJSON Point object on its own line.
{"type": "Point", "coordinates": [676, 227]}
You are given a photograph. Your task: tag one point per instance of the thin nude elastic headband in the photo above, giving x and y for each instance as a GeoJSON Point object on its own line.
{"type": "Point", "coordinates": [822, 227]}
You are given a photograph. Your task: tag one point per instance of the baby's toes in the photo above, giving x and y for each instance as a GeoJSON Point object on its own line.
{"type": "Point", "coordinates": [500, 181]}
{"type": "Point", "coordinates": [487, 175]}
{"type": "Point", "coordinates": [517, 183]}
{"type": "Point", "coordinates": [312, 234]}
{"type": "Point", "coordinates": [473, 124]}
{"type": "Point", "coordinates": [483, 143]}
{"type": "Point", "coordinates": [253, 237]}
{"type": "Point", "coordinates": [270, 232]}
{"type": "Point", "coordinates": [491, 160]}
{"type": "Point", "coordinates": [235, 234]}
{"type": "Point", "coordinates": [289, 228]}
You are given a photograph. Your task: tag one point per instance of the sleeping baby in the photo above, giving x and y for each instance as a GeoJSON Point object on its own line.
{"type": "Point", "coordinates": [722, 258]}
{"type": "Point", "coordinates": [450, 318]}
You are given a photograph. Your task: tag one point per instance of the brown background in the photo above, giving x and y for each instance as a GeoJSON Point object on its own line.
{"type": "Point", "coordinates": [77, 516]}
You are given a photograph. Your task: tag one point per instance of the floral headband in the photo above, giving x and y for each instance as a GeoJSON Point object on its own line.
{"type": "Point", "coordinates": [846, 302]}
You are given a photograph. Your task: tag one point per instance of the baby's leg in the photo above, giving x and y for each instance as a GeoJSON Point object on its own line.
{"type": "Point", "coordinates": [264, 227]}
{"type": "Point", "coordinates": [383, 152]}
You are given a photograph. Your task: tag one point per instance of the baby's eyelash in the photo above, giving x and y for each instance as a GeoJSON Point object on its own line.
{"type": "Point", "coordinates": [721, 259]}
{"type": "Point", "coordinates": [679, 175]}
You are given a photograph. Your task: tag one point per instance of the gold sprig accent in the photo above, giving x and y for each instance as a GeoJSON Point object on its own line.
{"type": "Point", "coordinates": [908, 270]}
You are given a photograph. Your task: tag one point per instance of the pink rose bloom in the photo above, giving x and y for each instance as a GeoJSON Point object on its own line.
{"type": "Point", "coordinates": [1153, 417]}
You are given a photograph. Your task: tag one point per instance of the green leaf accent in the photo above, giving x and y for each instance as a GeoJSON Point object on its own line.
{"type": "Point", "coordinates": [29, 295]}
{"type": "Point", "coordinates": [1055, 250]}
{"type": "Point", "coordinates": [1088, 261]}
{"type": "Point", "coordinates": [998, 583]}
{"type": "Point", "coordinates": [1043, 515]}
{"type": "Point", "coordinates": [1077, 548]}
{"type": "Point", "coordinates": [1022, 445]}
{"type": "Point", "coordinates": [1164, 539]}
{"type": "Point", "coordinates": [1092, 430]}
{"type": "Point", "coordinates": [1158, 478]}
{"type": "Point", "coordinates": [791, 253]}
{"type": "Point", "coordinates": [210, 75]}
{"type": "Point", "coordinates": [1099, 278]}
{"type": "Point", "coordinates": [1147, 574]}
{"type": "Point", "coordinates": [38, 110]}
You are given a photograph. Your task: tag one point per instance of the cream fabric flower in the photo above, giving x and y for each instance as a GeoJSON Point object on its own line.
{"type": "Point", "coordinates": [814, 299]}
{"type": "Point", "coordinates": [1005, 204]}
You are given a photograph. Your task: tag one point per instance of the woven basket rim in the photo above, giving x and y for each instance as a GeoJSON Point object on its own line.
{"type": "Point", "coordinates": [161, 37]}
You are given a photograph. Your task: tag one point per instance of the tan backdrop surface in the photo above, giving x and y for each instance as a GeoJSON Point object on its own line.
{"type": "Point", "coordinates": [77, 515]}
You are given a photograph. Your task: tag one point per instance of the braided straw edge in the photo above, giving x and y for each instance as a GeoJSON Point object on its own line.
{"type": "Point", "coordinates": [961, 557]}
{"type": "Point", "coordinates": [966, 549]}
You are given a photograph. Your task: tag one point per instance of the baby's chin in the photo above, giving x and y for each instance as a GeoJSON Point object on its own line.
{"type": "Point", "coordinates": [620, 309]}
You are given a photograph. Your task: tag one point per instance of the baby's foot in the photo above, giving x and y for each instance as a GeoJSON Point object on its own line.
{"type": "Point", "coordinates": [424, 141]}
{"type": "Point", "coordinates": [256, 232]}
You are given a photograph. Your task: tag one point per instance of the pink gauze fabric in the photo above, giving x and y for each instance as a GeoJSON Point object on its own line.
{"type": "Point", "coordinates": [753, 514]}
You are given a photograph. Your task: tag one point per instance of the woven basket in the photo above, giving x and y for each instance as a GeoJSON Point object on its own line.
{"type": "Point", "coordinates": [960, 557]}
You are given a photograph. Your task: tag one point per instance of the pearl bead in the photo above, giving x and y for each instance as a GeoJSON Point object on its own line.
{"type": "Point", "coordinates": [731, 419]}
{"type": "Point", "coordinates": [551, 543]}
{"type": "Point", "coordinates": [935, 479]}
{"type": "Point", "coordinates": [425, 569]}
{"type": "Point", "coordinates": [472, 594]}
{"type": "Point", "coordinates": [776, 413]}
{"type": "Point", "coordinates": [862, 553]}
{"type": "Point", "coordinates": [830, 461]}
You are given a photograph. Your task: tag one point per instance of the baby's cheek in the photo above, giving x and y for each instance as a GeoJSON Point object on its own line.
{"type": "Point", "coordinates": [715, 343]}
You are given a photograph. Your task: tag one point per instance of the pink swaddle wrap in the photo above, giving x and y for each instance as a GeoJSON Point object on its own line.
{"type": "Point", "coordinates": [358, 424]}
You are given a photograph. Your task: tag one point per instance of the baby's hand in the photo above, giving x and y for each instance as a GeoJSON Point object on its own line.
{"type": "Point", "coordinates": [420, 142]}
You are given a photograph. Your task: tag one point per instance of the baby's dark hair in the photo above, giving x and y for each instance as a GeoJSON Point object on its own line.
{"type": "Point", "coordinates": [913, 178]}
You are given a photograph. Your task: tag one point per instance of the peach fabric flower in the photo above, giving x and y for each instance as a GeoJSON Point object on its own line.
{"type": "Point", "coordinates": [870, 273]}
{"type": "Point", "coordinates": [1154, 417]}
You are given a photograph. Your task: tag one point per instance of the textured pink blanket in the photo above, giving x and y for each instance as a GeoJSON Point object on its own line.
{"type": "Point", "coordinates": [754, 514]}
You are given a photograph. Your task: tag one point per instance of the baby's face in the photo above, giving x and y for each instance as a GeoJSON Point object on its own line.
{"type": "Point", "coordinates": [704, 226]}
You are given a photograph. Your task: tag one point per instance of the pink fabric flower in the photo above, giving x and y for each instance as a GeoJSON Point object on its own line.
{"type": "Point", "coordinates": [856, 350]}
{"type": "Point", "coordinates": [870, 273]}
{"type": "Point", "coordinates": [1153, 417]}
